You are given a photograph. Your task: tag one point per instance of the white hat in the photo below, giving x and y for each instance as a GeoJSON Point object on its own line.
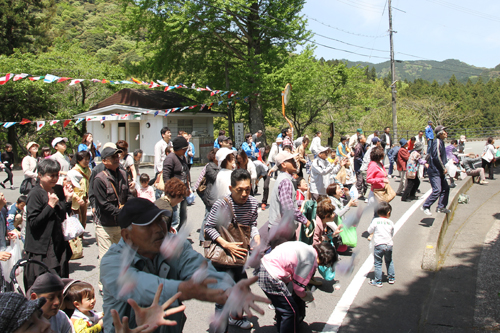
{"type": "Point", "coordinates": [323, 149]}
{"type": "Point", "coordinates": [109, 145]}
{"type": "Point", "coordinates": [57, 140]}
{"type": "Point", "coordinates": [222, 154]}
{"type": "Point", "coordinates": [30, 144]}
{"type": "Point", "coordinates": [283, 156]}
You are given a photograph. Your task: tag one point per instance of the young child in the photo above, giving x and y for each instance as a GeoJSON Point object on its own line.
{"type": "Point", "coordinates": [84, 319]}
{"type": "Point", "coordinates": [145, 191]}
{"type": "Point", "coordinates": [383, 231]}
{"type": "Point", "coordinates": [301, 193]}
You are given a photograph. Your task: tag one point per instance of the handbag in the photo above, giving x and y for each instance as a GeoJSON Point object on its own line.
{"type": "Point", "coordinates": [26, 186]}
{"type": "Point", "coordinates": [76, 248]}
{"type": "Point", "coordinates": [202, 187]}
{"type": "Point", "coordinates": [159, 184]}
{"type": "Point", "coordinates": [349, 236]}
{"type": "Point", "coordinates": [411, 169]}
{"type": "Point", "coordinates": [384, 194]}
{"type": "Point", "coordinates": [72, 228]}
{"type": "Point", "coordinates": [235, 232]}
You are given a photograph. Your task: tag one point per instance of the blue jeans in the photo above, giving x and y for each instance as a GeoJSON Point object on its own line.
{"type": "Point", "coordinates": [179, 215]}
{"type": "Point", "coordinates": [380, 252]}
{"type": "Point", "coordinates": [158, 194]}
{"type": "Point", "coordinates": [391, 165]}
{"type": "Point", "coordinates": [440, 189]}
{"type": "Point", "coordinates": [429, 144]}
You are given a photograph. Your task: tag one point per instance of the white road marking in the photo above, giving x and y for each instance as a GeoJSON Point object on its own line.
{"type": "Point", "coordinates": [337, 317]}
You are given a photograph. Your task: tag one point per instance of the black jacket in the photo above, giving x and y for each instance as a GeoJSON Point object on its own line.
{"type": "Point", "coordinates": [211, 172]}
{"type": "Point", "coordinates": [175, 166]}
{"type": "Point", "coordinates": [43, 222]}
{"type": "Point", "coordinates": [98, 168]}
{"type": "Point", "coordinates": [383, 141]}
{"type": "Point", "coordinates": [438, 160]}
{"type": "Point", "coordinates": [106, 202]}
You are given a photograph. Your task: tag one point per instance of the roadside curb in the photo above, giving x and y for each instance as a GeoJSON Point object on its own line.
{"type": "Point", "coordinates": [433, 248]}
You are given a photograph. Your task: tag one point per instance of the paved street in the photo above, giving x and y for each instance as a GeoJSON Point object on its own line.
{"type": "Point", "coordinates": [418, 299]}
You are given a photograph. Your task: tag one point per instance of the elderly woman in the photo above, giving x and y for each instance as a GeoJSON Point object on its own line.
{"type": "Point", "coordinates": [79, 177]}
{"type": "Point", "coordinates": [175, 192]}
{"type": "Point", "coordinates": [47, 206]}
{"type": "Point", "coordinates": [88, 144]}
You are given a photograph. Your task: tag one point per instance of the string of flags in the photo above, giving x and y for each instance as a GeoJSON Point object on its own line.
{"type": "Point", "coordinates": [50, 78]}
{"type": "Point", "coordinates": [41, 123]}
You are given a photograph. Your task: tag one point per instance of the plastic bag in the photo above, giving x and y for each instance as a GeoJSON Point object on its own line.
{"type": "Point", "coordinates": [190, 199]}
{"type": "Point", "coordinates": [328, 273]}
{"type": "Point", "coordinates": [353, 193]}
{"type": "Point", "coordinates": [452, 168]}
{"type": "Point", "coordinates": [349, 236]}
{"type": "Point", "coordinates": [72, 228]}
{"type": "Point", "coordinates": [16, 254]}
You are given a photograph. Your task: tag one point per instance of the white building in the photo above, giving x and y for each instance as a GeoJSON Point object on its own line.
{"type": "Point", "coordinates": [129, 115]}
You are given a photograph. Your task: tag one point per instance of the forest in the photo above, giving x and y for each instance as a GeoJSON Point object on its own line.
{"type": "Point", "coordinates": [239, 45]}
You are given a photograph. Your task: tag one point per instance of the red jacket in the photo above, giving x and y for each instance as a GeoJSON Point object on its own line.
{"type": "Point", "coordinates": [403, 156]}
{"type": "Point", "coordinates": [376, 175]}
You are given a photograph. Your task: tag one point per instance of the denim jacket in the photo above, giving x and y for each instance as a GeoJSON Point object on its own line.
{"type": "Point", "coordinates": [149, 275]}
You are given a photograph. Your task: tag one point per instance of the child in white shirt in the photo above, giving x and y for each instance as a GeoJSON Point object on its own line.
{"type": "Point", "coordinates": [145, 191]}
{"type": "Point", "coordinates": [383, 230]}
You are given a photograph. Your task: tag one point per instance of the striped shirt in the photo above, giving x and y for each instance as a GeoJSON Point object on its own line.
{"type": "Point", "coordinates": [245, 214]}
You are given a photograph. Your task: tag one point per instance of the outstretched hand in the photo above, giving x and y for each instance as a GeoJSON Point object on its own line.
{"type": "Point", "coordinates": [124, 328]}
{"type": "Point", "coordinates": [241, 299]}
{"type": "Point", "coordinates": [156, 313]}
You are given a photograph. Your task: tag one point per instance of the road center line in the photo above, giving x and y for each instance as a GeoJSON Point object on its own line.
{"type": "Point", "coordinates": [337, 317]}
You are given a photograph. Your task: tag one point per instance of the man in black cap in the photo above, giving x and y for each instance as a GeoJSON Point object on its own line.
{"type": "Point", "coordinates": [110, 190]}
{"type": "Point", "coordinates": [144, 229]}
{"type": "Point", "coordinates": [175, 165]}
{"type": "Point", "coordinates": [18, 314]}
{"type": "Point", "coordinates": [50, 287]}
{"type": "Point", "coordinates": [437, 174]}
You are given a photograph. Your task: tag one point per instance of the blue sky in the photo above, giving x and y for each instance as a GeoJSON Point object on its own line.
{"type": "Point", "coordinates": [431, 29]}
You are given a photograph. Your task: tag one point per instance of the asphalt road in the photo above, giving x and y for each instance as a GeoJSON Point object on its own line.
{"type": "Point", "coordinates": [392, 308]}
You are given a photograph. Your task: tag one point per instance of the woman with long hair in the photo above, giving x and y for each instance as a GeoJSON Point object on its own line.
{"type": "Point", "coordinates": [243, 162]}
{"type": "Point", "coordinates": [88, 144]}
{"type": "Point", "coordinates": [489, 156]}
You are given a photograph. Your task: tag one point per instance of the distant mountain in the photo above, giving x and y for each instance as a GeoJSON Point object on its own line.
{"type": "Point", "coordinates": [431, 70]}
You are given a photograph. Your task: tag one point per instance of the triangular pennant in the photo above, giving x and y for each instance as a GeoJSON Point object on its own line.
{"type": "Point", "coordinates": [9, 124]}
{"type": "Point", "coordinates": [18, 77]}
{"type": "Point", "coordinates": [53, 122]}
{"type": "Point", "coordinates": [75, 81]}
{"type": "Point", "coordinates": [25, 121]}
{"type": "Point", "coordinates": [66, 123]}
{"type": "Point", "coordinates": [6, 78]}
{"type": "Point", "coordinates": [39, 125]}
{"type": "Point", "coordinates": [62, 79]}
{"type": "Point", "coordinates": [49, 78]}
{"type": "Point", "coordinates": [79, 121]}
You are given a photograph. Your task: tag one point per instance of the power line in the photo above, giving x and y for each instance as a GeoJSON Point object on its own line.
{"type": "Point", "coordinates": [347, 32]}
{"type": "Point", "coordinates": [360, 6]}
{"type": "Point", "coordinates": [466, 10]}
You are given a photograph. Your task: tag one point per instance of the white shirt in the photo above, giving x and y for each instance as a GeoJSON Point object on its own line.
{"type": "Point", "coordinates": [275, 150]}
{"type": "Point", "coordinates": [321, 170]}
{"type": "Point", "coordinates": [222, 183]}
{"type": "Point", "coordinates": [315, 145]}
{"type": "Point", "coordinates": [382, 230]}
{"type": "Point", "coordinates": [160, 147]}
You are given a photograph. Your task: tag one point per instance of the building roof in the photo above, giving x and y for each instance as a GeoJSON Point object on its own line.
{"type": "Point", "coordinates": [145, 99]}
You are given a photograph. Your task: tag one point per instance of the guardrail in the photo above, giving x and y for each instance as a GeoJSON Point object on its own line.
{"type": "Point", "coordinates": [453, 133]}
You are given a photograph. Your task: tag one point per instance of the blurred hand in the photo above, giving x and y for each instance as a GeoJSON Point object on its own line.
{"type": "Point", "coordinates": [241, 299]}
{"type": "Point", "coordinates": [191, 289]}
{"type": "Point", "coordinates": [124, 328]}
{"type": "Point", "coordinates": [4, 256]}
{"type": "Point", "coordinates": [53, 199]}
{"type": "Point", "coordinates": [156, 313]}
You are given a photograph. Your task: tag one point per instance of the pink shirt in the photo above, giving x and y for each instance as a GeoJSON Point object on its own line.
{"type": "Point", "coordinates": [376, 175]}
{"type": "Point", "coordinates": [147, 193]}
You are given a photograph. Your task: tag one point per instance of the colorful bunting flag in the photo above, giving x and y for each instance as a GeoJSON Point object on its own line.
{"type": "Point", "coordinates": [53, 122]}
{"type": "Point", "coordinates": [192, 107]}
{"type": "Point", "coordinates": [125, 116]}
{"type": "Point", "coordinates": [18, 77]}
{"type": "Point", "coordinates": [49, 78]}
{"type": "Point", "coordinates": [5, 79]}
{"type": "Point", "coordinates": [153, 85]}
{"type": "Point", "coordinates": [66, 123]}
{"type": "Point", "coordinates": [202, 107]}
{"type": "Point", "coordinates": [79, 121]}
{"type": "Point", "coordinates": [62, 79]}
{"type": "Point", "coordinates": [156, 113]}
{"type": "Point", "coordinates": [39, 125]}
{"type": "Point", "coordinates": [25, 121]}
{"type": "Point", "coordinates": [9, 124]}
{"type": "Point", "coordinates": [36, 78]}
{"type": "Point", "coordinates": [75, 81]}
{"type": "Point", "coordinates": [162, 83]}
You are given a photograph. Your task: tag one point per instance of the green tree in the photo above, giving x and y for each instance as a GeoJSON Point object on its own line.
{"type": "Point", "coordinates": [233, 44]}
{"type": "Point", "coordinates": [24, 24]}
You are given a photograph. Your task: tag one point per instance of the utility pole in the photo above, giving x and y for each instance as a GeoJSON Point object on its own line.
{"type": "Point", "coordinates": [393, 85]}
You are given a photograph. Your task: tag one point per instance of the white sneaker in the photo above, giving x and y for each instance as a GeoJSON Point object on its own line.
{"type": "Point", "coordinates": [366, 200]}
{"type": "Point", "coordinates": [241, 323]}
{"type": "Point", "coordinates": [426, 211]}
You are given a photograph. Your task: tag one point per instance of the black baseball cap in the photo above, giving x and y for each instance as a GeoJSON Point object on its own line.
{"type": "Point", "coordinates": [139, 211]}
{"type": "Point", "coordinates": [109, 151]}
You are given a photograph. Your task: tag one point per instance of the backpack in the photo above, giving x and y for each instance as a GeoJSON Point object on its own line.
{"type": "Point", "coordinates": [411, 169]}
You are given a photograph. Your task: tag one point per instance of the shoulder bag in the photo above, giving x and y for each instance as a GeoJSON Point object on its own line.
{"type": "Point", "coordinates": [235, 232]}
{"type": "Point", "coordinates": [384, 194]}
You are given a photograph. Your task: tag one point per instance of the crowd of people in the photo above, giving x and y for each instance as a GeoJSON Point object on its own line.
{"type": "Point", "coordinates": [140, 220]}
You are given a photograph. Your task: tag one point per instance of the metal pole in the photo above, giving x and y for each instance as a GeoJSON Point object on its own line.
{"type": "Point", "coordinates": [393, 86]}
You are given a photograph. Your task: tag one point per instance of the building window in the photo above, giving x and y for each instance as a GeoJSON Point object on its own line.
{"type": "Point", "coordinates": [185, 125]}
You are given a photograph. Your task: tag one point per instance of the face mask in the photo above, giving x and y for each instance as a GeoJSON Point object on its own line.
{"type": "Point", "coordinates": [328, 273]}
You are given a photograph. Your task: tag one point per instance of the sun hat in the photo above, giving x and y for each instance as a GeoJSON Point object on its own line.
{"type": "Point", "coordinates": [57, 140]}
{"type": "Point", "coordinates": [283, 156]}
{"type": "Point", "coordinates": [32, 143]}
